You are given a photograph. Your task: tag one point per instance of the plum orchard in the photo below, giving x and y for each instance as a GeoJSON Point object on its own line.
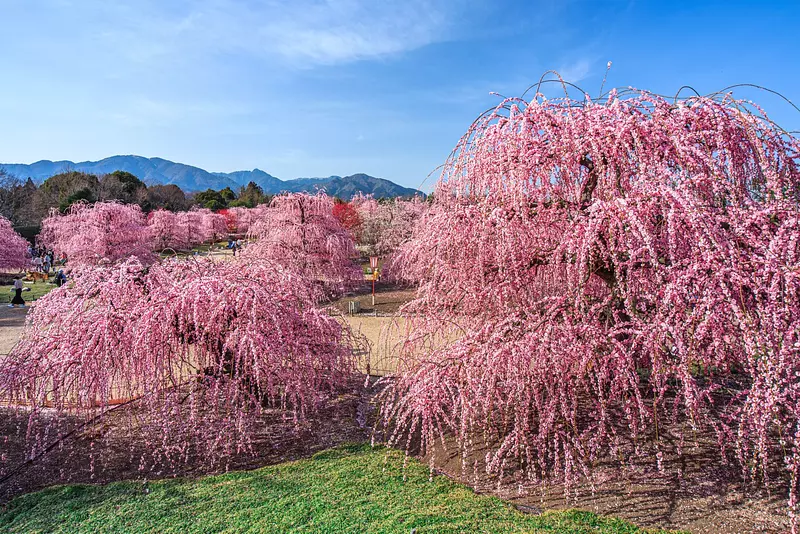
{"type": "Point", "coordinates": [300, 233]}
{"type": "Point", "coordinates": [184, 230]}
{"type": "Point", "coordinates": [239, 219]}
{"type": "Point", "coordinates": [200, 348]}
{"type": "Point", "coordinates": [385, 227]}
{"type": "Point", "coordinates": [13, 248]}
{"type": "Point", "coordinates": [613, 267]}
{"type": "Point", "coordinates": [90, 234]}
{"type": "Point", "coordinates": [203, 346]}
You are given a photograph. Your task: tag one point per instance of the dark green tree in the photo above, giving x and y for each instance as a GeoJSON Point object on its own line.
{"type": "Point", "coordinates": [213, 200]}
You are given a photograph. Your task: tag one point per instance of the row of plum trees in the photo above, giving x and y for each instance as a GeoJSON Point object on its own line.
{"type": "Point", "coordinates": [201, 346]}
{"type": "Point", "coordinates": [109, 231]}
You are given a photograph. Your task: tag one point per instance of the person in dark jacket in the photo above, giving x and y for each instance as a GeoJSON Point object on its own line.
{"type": "Point", "coordinates": [17, 294]}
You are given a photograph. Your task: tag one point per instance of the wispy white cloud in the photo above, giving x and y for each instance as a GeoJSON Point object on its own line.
{"type": "Point", "coordinates": [302, 32]}
{"type": "Point", "coordinates": [576, 71]}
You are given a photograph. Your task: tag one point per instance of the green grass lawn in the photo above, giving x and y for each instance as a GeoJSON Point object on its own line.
{"type": "Point", "coordinates": [38, 290]}
{"type": "Point", "coordinates": [350, 489]}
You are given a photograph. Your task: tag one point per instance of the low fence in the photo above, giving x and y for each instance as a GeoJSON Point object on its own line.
{"type": "Point", "coordinates": [381, 333]}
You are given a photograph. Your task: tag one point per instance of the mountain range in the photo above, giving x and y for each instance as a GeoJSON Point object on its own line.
{"type": "Point", "coordinates": [161, 171]}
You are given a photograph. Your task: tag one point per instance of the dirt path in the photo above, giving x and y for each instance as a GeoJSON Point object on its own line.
{"type": "Point", "coordinates": [12, 321]}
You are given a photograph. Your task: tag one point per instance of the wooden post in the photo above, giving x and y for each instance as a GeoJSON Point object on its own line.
{"type": "Point", "coordinates": [373, 264]}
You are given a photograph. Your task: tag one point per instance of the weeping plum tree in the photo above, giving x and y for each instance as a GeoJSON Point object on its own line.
{"type": "Point", "coordinates": [164, 229]}
{"type": "Point", "coordinates": [13, 248]}
{"type": "Point", "coordinates": [97, 233]}
{"type": "Point", "coordinates": [240, 219]}
{"type": "Point", "coordinates": [189, 229]}
{"type": "Point", "coordinates": [212, 225]}
{"type": "Point", "coordinates": [385, 226]}
{"type": "Point", "coordinates": [613, 268]}
{"type": "Point", "coordinates": [300, 233]}
{"type": "Point", "coordinates": [203, 347]}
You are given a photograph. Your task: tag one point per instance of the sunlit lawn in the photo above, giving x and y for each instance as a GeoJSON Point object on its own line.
{"type": "Point", "coordinates": [351, 489]}
{"type": "Point", "coordinates": [38, 290]}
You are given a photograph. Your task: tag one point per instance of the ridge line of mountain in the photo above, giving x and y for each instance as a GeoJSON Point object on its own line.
{"type": "Point", "coordinates": [191, 179]}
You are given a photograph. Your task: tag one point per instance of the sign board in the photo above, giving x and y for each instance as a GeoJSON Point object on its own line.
{"type": "Point", "coordinates": [373, 262]}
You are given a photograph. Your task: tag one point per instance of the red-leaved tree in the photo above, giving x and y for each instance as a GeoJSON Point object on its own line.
{"type": "Point", "coordinates": [300, 233]}
{"type": "Point", "coordinates": [200, 347]}
{"type": "Point", "coordinates": [98, 233]}
{"type": "Point", "coordinates": [348, 217]}
{"type": "Point", "coordinates": [597, 276]}
{"type": "Point", "coordinates": [13, 248]}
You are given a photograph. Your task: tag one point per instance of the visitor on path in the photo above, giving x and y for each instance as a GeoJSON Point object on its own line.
{"type": "Point", "coordinates": [17, 289]}
{"type": "Point", "coordinates": [37, 263]}
{"type": "Point", "coordinates": [61, 278]}
{"type": "Point", "coordinates": [234, 246]}
{"type": "Point", "coordinates": [47, 263]}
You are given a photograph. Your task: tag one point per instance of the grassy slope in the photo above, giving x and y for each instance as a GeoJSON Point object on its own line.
{"type": "Point", "coordinates": [350, 489]}
{"type": "Point", "coordinates": [38, 290]}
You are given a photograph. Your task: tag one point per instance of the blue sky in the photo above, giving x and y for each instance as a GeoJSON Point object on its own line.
{"type": "Point", "coordinates": [314, 88]}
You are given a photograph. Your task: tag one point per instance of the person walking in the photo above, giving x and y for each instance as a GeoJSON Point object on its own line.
{"type": "Point", "coordinates": [17, 289]}
{"type": "Point", "coordinates": [234, 246]}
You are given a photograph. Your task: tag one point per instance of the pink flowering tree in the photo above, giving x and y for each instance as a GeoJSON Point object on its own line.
{"type": "Point", "coordinates": [373, 222]}
{"type": "Point", "coordinates": [214, 226]}
{"type": "Point", "coordinates": [201, 348]}
{"type": "Point", "coordinates": [401, 219]}
{"type": "Point", "coordinates": [238, 219]}
{"type": "Point", "coordinates": [385, 226]}
{"type": "Point", "coordinates": [190, 229]}
{"type": "Point", "coordinates": [13, 248]}
{"type": "Point", "coordinates": [300, 233]}
{"type": "Point", "coordinates": [596, 276]}
{"type": "Point", "coordinates": [163, 225]}
{"type": "Point", "coordinates": [243, 218]}
{"type": "Point", "coordinates": [97, 233]}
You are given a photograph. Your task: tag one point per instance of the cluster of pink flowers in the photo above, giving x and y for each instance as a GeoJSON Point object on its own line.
{"type": "Point", "coordinates": [204, 347]}
{"type": "Point", "coordinates": [187, 229]}
{"type": "Point", "coordinates": [300, 233]}
{"type": "Point", "coordinates": [240, 219]}
{"type": "Point", "coordinates": [13, 248]}
{"type": "Point", "coordinates": [385, 226]}
{"type": "Point", "coordinates": [98, 233]}
{"type": "Point", "coordinates": [593, 272]}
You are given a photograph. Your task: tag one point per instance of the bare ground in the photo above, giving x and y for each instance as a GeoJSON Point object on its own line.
{"type": "Point", "coordinates": [12, 321]}
{"type": "Point", "coordinates": [388, 299]}
{"type": "Point", "coordinates": [697, 491]}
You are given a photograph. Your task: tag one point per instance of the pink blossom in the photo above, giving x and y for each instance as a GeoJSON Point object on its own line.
{"type": "Point", "coordinates": [13, 247]}
{"type": "Point", "coordinates": [594, 270]}
{"type": "Point", "coordinates": [102, 232]}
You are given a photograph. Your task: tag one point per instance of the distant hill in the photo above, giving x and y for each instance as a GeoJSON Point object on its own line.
{"type": "Point", "coordinates": [161, 171]}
